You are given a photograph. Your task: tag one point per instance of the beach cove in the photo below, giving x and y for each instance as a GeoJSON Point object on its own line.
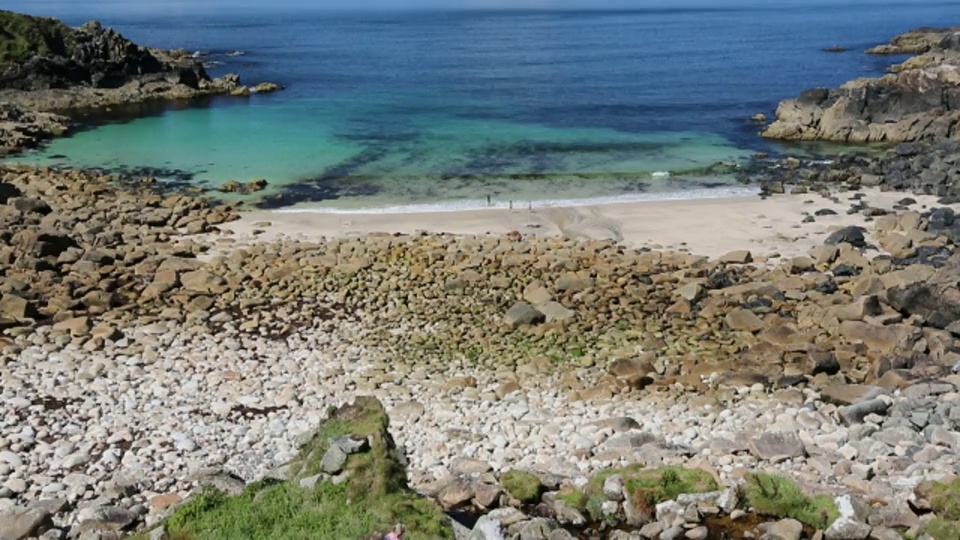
{"type": "Point", "coordinates": [771, 356]}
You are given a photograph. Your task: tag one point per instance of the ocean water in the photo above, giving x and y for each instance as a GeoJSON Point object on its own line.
{"type": "Point", "coordinates": [404, 109]}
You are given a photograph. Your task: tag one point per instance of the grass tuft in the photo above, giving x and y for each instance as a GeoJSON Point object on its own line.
{"type": "Point", "coordinates": [572, 497]}
{"type": "Point", "coordinates": [944, 498]}
{"type": "Point", "coordinates": [521, 485]}
{"type": "Point", "coordinates": [778, 496]}
{"type": "Point", "coordinates": [646, 488]}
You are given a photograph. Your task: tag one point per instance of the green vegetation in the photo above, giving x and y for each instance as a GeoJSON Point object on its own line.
{"type": "Point", "coordinates": [374, 498]}
{"type": "Point", "coordinates": [22, 36]}
{"type": "Point", "coordinates": [521, 485]}
{"type": "Point", "coordinates": [942, 529]}
{"type": "Point", "coordinates": [287, 512]}
{"type": "Point", "coordinates": [944, 500]}
{"type": "Point", "coordinates": [778, 496]}
{"type": "Point", "coordinates": [572, 497]}
{"type": "Point", "coordinates": [648, 487]}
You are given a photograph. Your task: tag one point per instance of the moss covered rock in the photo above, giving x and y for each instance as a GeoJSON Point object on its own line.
{"type": "Point", "coordinates": [643, 488]}
{"type": "Point", "coordinates": [521, 485]}
{"type": "Point", "coordinates": [369, 497]}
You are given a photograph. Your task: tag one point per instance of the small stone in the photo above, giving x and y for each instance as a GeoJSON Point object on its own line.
{"type": "Point", "coordinates": [11, 458]}
{"type": "Point", "coordinates": [521, 314]}
{"type": "Point", "coordinates": [847, 528]}
{"type": "Point", "coordinates": [737, 257]}
{"type": "Point", "coordinates": [613, 488]}
{"type": "Point", "coordinates": [351, 445]}
{"type": "Point", "coordinates": [785, 529]}
{"type": "Point", "coordinates": [333, 460]}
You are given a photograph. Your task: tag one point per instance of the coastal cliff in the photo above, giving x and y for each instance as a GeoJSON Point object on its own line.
{"type": "Point", "coordinates": [47, 67]}
{"type": "Point", "coordinates": [918, 100]}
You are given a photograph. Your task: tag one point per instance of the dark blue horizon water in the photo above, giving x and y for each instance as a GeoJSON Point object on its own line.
{"type": "Point", "coordinates": [387, 108]}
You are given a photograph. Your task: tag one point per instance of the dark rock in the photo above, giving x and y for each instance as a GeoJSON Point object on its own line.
{"type": "Point", "coordinates": [8, 191]}
{"type": "Point", "coordinates": [523, 313]}
{"type": "Point", "coordinates": [845, 270]}
{"type": "Point", "coordinates": [852, 235]}
{"type": "Point", "coordinates": [90, 55]}
{"type": "Point", "coordinates": [854, 414]}
{"type": "Point", "coordinates": [906, 150]}
{"type": "Point", "coordinates": [30, 206]}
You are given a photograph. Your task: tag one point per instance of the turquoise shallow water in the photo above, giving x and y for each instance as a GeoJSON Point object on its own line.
{"type": "Point", "coordinates": [430, 108]}
{"type": "Point", "coordinates": [440, 159]}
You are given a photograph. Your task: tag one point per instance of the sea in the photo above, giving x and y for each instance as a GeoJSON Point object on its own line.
{"type": "Point", "coordinates": [398, 108]}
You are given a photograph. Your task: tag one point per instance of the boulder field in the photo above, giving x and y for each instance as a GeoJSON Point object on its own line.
{"type": "Point", "coordinates": [146, 354]}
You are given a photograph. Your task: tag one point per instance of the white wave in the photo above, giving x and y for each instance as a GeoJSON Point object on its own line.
{"type": "Point", "coordinates": [477, 204]}
{"type": "Point", "coordinates": [661, 174]}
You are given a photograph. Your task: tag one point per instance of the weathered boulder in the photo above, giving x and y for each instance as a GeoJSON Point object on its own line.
{"type": "Point", "coordinates": [936, 300]}
{"type": "Point", "coordinates": [777, 446]}
{"type": "Point", "coordinates": [523, 313]}
{"type": "Point", "coordinates": [744, 320]}
{"type": "Point", "coordinates": [18, 523]}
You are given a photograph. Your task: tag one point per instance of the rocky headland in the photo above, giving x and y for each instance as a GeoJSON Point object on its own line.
{"type": "Point", "coordinates": [49, 70]}
{"type": "Point", "coordinates": [918, 100]}
{"type": "Point", "coordinates": [165, 377]}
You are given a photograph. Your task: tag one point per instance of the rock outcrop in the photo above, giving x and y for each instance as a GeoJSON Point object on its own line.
{"type": "Point", "coordinates": [349, 478]}
{"type": "Point", "coordinates": [91, 55]}
{"type": "Point", "coordinates": [919, 99]}
{"type": "Point", "coordinates": [47, 66]}
{"type": "Point", "coordinates": [21, 128]}
{"type": "Point", "coordinates": [917, 41]}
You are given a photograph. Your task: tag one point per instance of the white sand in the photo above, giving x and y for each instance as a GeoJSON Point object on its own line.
{"type": "Point", "coordinates": [708, 227]}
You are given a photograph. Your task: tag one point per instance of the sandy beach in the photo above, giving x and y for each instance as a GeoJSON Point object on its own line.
{"type": "Point", "coordinates": [710, 227]}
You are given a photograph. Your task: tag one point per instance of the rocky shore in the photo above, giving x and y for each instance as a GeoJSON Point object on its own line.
{"type": "Point", "coordinates": [146, 353]}
{"type": "Point", "coordinates": [918, 100]}
{"type": "Point", "coordinates": [49, 71]}
{"type": "Point", "coordinates": [163, 377]}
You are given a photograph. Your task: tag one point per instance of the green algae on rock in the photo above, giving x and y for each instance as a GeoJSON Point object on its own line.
{"type": "Point", "coordinates": [369, 495]}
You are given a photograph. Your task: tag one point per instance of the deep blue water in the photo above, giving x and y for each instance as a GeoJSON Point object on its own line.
{"type": "Point", "coordinates": [419, 107]}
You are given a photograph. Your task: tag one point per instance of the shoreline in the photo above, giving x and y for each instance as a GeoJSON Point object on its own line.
{"type": "Point", "coordinates": [178, 368]}
{"type": "Point", "coordinates": [471, 205]}
{"type": "Point", "coordinates": [710, 227]}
